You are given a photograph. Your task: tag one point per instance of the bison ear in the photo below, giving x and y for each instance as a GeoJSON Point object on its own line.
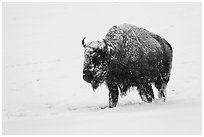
{"type": "Point", "coordinates": [83, 43]}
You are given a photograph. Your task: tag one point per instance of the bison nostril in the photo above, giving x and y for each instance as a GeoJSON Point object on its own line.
{"type": "Point", "coordinates": [86, 78]}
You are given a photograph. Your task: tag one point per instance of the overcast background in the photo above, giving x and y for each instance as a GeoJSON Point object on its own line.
{"type": "Point", "coordinates": [43, 60]}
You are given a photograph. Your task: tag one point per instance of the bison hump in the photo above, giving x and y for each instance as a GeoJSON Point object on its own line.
{"type": "Point", "coordinates": [132, 42]}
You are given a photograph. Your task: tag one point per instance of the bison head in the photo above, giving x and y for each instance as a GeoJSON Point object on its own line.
{"type": "Point", "coordinates": [95, 63]}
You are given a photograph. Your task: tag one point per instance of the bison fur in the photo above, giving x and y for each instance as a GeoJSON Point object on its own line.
{"type": "Point", "coordinates": [127, 57]}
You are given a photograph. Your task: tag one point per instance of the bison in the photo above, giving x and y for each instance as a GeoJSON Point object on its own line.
{"type": "Point", "coordinates": [127, 57]}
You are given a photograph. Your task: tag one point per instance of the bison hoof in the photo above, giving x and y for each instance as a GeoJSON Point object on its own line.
{"type": "Point", "coordinates": [147, 98]}
{"type": "Point", "coordinates": [112, 105]}
{"type": "Point", "coordinates": [162, 96]}
{"type": "Point", "coordinates": [161, 100]}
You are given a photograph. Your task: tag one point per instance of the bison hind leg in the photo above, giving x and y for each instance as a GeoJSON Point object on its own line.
{"type": "Point", "coordinates": [146, 92]}
{"type": "Point", "coordinates": [162, 92]}
{"type": "Point", "coordinates": [160, 84]}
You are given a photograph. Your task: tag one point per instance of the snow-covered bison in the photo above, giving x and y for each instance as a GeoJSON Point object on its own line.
{"type": "Point", "coordinates": [127, 57]}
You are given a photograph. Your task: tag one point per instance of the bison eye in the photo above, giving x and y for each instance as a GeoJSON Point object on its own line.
{"type": "Point", "coordinates": [93, 54]}
{"type": "Point", "coordinates": [91, 67]}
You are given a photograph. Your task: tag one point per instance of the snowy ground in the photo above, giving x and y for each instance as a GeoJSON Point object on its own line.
{"type": "Point", "coordinates": [43, 89]}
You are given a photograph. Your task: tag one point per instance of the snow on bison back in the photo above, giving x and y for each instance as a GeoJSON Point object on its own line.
{"type": "Point", "coordinates": [127, 57]}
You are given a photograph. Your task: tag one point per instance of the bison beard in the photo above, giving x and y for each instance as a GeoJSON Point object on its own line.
{"type": "Point", "coordinates": [128, 57]}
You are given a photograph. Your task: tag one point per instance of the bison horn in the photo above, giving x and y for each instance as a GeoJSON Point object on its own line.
{"type": "Point", "coordinates": [83, 43]}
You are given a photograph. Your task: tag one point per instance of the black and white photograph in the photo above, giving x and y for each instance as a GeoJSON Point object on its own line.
{"type": "Point", "coordinates": [101, 68]}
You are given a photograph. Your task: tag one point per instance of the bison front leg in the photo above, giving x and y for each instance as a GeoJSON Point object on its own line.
{"type": "Point", "coordinates": [146, 93]}
{"type": "Point", "coordinates": [113, 94]}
